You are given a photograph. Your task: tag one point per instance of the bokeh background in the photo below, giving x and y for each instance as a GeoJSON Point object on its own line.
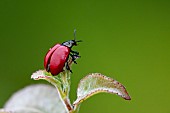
{"type": "Point", "coordinates": [126, 40]}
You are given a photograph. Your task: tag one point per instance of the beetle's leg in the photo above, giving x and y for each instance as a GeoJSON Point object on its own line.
{"type": "Point", "coordinates": [74, 52]}
{"type": "Point", "coordinates": [68, 67]}
{"type": "Point", "coordinates": [74, 57]}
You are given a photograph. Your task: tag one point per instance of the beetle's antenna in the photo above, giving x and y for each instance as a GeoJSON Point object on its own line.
{"type": "Point", "coordinates": [74, 34]}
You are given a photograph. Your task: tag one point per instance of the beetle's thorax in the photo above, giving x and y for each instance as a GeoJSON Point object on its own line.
{"type": "Point", "coordinates": [69, 43]}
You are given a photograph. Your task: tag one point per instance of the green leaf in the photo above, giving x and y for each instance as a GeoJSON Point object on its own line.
{"type": "Point", "coordinates": [96, 83]}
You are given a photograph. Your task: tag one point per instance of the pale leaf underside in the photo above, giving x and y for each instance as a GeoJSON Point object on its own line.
{"type": "Point", "coordinates": [39, 75]}
{"type": "Point", "coordinates": [96, 83]}
{"type": "Point", "coordinates": [44, 75]}
{"type": "Point", "coordinates": [38, 98]}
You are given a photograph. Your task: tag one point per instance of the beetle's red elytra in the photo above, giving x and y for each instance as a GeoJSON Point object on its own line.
{"type": "Point", "coordinates": [57, 57]}
{"type": "Point", "coordinates": [49, 53]}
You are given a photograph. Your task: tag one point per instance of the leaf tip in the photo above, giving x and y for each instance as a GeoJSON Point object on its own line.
{"type": "Point", "coordinates": [127, 98]}
{"type": "Point", "coordinates": [38, 74]}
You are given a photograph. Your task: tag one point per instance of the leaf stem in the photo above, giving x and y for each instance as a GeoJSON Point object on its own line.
{"type": "Point", "coordinates": [65, 77]}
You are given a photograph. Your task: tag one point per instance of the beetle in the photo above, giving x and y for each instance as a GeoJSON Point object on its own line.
{"type": "Point", "coordinates": [57, 56]}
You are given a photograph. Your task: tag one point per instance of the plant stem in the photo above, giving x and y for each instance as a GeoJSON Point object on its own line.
{"type": "Point", "coordinates": [65, 77]}
{"type": "Point", "coordinates": [68, 105]}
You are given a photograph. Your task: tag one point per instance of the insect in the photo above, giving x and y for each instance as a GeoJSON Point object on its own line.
{"type": "Point", "coordinates": [57, 57]}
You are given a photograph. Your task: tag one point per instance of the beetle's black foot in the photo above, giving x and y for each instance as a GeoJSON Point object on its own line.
{"type": "Point", "coordinates": [75, 62]}
{"type": "Point", "coordinates": [68, 67]}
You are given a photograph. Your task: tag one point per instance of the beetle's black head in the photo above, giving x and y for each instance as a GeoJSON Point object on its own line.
{"type": "Point", "coordinates": [71, 43]}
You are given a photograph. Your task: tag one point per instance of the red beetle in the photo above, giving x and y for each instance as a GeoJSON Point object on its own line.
{"type": "Point", "coordinates": [57, 57]}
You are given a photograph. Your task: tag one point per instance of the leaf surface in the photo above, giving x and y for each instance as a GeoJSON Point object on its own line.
{"type": "Point", "coordinates": [96, 83]}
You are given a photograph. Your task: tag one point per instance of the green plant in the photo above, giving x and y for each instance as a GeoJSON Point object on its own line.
{"type": "Point", "coordinates": [91, 84]}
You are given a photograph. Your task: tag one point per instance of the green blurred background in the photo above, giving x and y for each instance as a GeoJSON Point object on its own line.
{"type": "Point", "coordinates": [126, 40]}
